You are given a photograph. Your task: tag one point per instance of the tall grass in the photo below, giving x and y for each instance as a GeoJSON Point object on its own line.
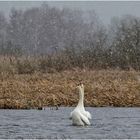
{"type": "Point", "coordinates": [102, 88]}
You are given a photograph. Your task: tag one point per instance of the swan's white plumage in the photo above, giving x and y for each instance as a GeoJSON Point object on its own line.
{"type": "Point", "coordinates": [79, 119]}
{"type": "Point", "coordinates": [88, 115]}
{"type": "Point", "coordinates": [79, 116]}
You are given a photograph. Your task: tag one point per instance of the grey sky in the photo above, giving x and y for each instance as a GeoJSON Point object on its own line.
{"type": "Point", "coordinates": [104, 9]}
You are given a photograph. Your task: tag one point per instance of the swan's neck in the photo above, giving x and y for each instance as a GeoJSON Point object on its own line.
{"type": "Point", "coordinates": [81, 99]}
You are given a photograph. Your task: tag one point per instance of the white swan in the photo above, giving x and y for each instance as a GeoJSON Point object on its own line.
{"type": "Point", "coordinates": [79, 116]}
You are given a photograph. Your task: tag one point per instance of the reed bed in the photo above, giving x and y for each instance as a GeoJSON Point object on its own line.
{"type": "Point", "coordinates": [102, 88]}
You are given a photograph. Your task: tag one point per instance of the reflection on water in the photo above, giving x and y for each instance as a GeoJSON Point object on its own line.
{"type": "Point", "coordinates": [106, 123]}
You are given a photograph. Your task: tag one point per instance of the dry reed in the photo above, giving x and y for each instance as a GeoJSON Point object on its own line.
{"type": "Point", "coordinates": [102, 88]}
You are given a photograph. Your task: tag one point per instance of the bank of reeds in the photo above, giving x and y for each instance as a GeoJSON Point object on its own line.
{"type": "Point", "coordinates": [102, 88]}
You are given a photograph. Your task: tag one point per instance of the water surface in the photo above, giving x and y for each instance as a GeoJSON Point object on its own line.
{"type": "Point", "coordinates": [106, 123]}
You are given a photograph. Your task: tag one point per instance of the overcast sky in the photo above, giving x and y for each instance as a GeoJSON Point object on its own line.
{"type": "Point", "coordinates": [104, 9]}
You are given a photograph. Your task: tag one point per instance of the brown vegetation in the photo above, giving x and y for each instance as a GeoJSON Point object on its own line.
{"type": "Point", "coordinates": [102, 88]}
{"type": "Point", "coordinates": [45, 52]}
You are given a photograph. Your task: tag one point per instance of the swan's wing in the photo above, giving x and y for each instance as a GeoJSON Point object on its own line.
{"type": "Point", "coordinates": [84, 119]}
{"type": "Point", "coordinates": [88, 115]}
{"type": "Point", "coordinates": [76, 118]}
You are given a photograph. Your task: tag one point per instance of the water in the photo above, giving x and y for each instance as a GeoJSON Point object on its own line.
{"type": "Point", "coordinates": [53, 124]}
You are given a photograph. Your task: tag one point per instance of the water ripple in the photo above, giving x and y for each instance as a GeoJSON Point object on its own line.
{"type": "Point", "coordinates": [113, 123]}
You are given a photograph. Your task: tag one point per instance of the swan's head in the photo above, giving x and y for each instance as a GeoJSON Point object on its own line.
{"type": "Point", "coordinates": [81, 88]}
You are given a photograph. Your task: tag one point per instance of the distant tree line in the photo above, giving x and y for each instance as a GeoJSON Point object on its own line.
{"type": "Point", "coordinates": [66, 38]}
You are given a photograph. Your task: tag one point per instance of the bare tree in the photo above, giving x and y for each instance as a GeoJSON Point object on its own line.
{"type": "Point", "coordinates": [126, 41]}
{"type": "Point", "coordinates": [3, 27]}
